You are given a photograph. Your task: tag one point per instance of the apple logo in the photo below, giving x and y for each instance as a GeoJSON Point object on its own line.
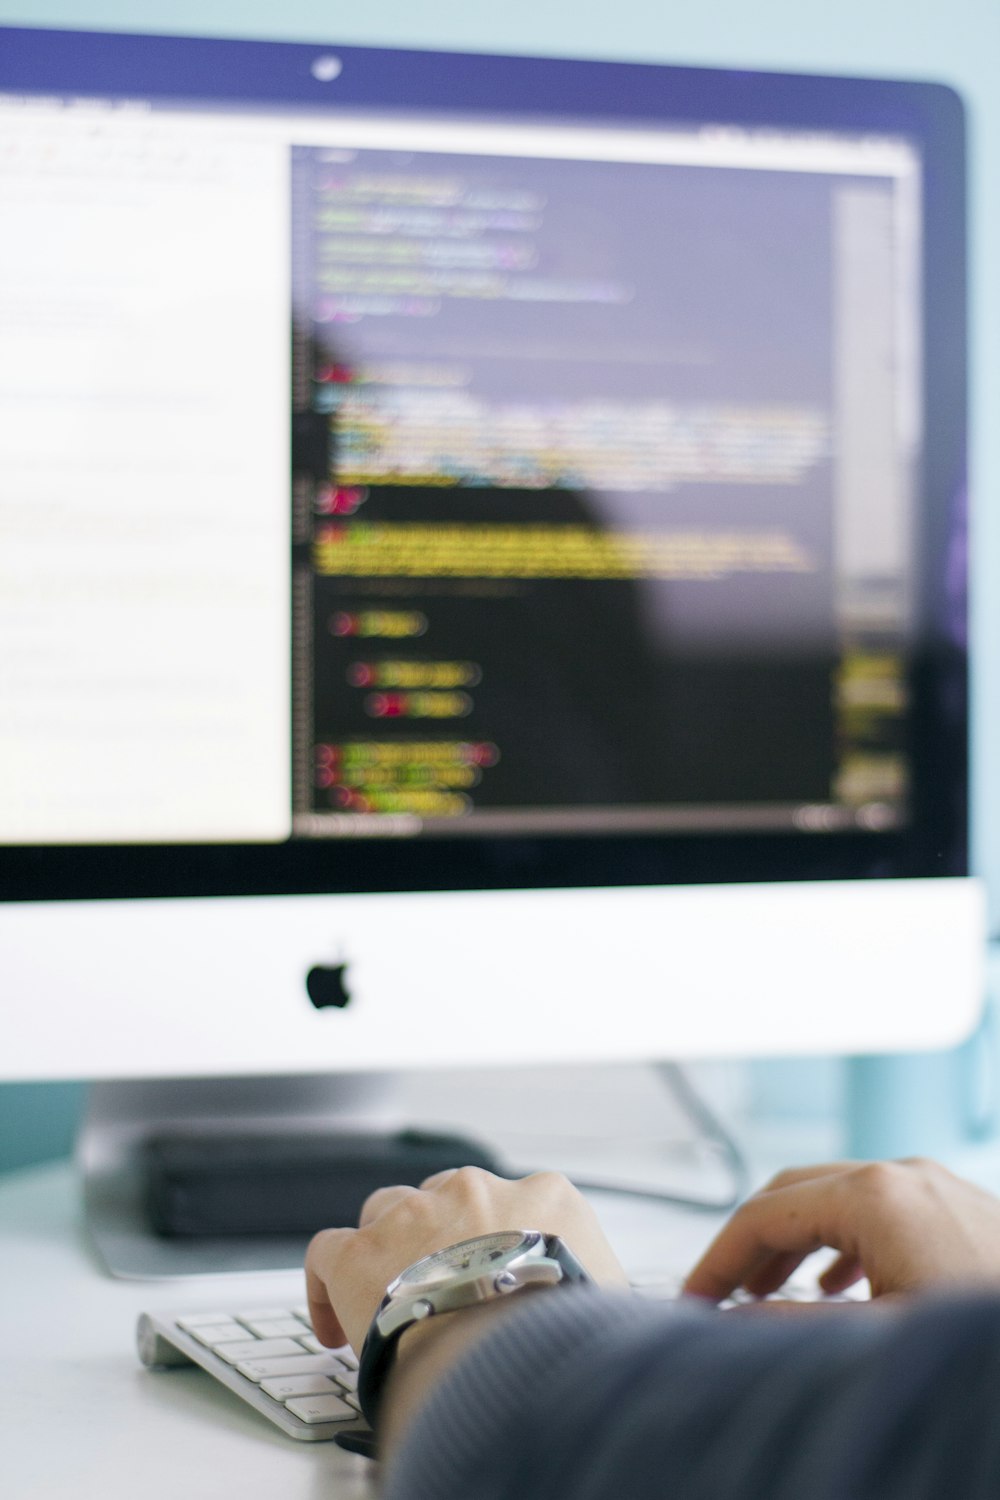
{"type": "Point", "coordinates": [326, 985]}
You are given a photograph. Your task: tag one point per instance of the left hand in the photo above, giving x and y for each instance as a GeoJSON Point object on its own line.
{"type": "Point", "coordinates": [348, 1270]}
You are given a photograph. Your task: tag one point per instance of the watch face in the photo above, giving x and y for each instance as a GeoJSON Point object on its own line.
{"type": "Point", "coordinates": [479, 1257]}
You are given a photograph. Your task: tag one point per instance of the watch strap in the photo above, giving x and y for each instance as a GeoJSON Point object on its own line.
{"type": "Point", "coordinates": [378, 1350]}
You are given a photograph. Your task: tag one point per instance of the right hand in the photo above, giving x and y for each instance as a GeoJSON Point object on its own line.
{"type": "Point", "coordinates": [906, 1225]}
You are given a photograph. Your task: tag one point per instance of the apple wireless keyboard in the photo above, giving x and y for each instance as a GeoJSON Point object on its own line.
{"type": "Point", "coordinates": [270, 1357]}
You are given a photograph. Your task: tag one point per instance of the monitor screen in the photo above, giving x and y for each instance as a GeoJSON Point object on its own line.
{"type": "Point", "coordinates": [428, 474]}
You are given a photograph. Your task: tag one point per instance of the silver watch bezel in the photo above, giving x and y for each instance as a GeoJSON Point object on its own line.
{"type": "Point", "coordinates": [527, 1263]}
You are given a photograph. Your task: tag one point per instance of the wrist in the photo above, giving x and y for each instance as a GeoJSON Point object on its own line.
{"type": "Point", "coordinates": [471, 1274]}
{"type": "Point", "coordinates": [425, 1354]}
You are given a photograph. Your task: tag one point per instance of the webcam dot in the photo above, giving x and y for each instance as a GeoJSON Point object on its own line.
{"type": "Point", "coordinates": [326, 68]}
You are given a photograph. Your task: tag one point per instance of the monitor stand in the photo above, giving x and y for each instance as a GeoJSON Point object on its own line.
{"type": "Point", "coordinates": [121, 1115]}
{"type": "Point", "coordinates": [611, 1128]}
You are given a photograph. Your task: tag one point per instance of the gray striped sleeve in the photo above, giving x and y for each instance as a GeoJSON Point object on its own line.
{"type": "Point", "coordinates": [583, 1395]}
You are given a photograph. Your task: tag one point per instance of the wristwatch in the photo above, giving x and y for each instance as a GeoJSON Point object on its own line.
{"type": "Point", "coordinates": [474, 1271]}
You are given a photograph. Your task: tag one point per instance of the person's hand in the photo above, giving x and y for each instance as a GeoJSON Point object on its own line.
{"type": "Point", "coordinates": [906, 1225]}
{"type": "Point", "coordinates": [348, 1270]}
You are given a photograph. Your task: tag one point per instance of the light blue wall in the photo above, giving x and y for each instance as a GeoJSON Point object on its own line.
{"type": "Point", "coordinates": [956, 42]}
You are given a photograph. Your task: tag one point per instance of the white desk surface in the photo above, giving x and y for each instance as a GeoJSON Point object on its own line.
{"type": "Point", "coordinates": [81, 1419]}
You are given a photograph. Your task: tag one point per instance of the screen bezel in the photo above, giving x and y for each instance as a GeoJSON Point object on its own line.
{"type": "Point", "coordinates": [278, 74]}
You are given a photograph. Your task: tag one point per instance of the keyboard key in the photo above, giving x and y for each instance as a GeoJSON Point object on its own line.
{"type": "Point", "coordinates": [262, 1313]}
{"type": "Point", "coordinates": [347, 1378]}
{"type": "Point", "coordinates": [304, 1364]}
{"type": "Point", "coordinates": [277, 1328]}
{"type": "Point", "coordinates": [299, 1385]}
{"type": "Point", "coordinates": [658, 1288]}
{"type": "Point", "coordinates": [322, 1409]}
{"type": "Point", "coordinates": [191, 1321]}
{"type": "Point", "coordinates": [233, 1353]}
{"type": "Point", "coordinates": [212, 1335]}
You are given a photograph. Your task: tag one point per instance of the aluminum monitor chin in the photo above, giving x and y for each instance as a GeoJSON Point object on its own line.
{"type": "Point", "coordinates": [485, 533]}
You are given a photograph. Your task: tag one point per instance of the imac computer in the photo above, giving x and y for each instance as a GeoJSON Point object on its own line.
{"type": "Point", "coordinates": [483, 565]}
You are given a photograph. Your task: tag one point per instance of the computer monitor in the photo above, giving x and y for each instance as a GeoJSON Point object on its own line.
{"type": "Point", "coordinates": [485, 539]}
